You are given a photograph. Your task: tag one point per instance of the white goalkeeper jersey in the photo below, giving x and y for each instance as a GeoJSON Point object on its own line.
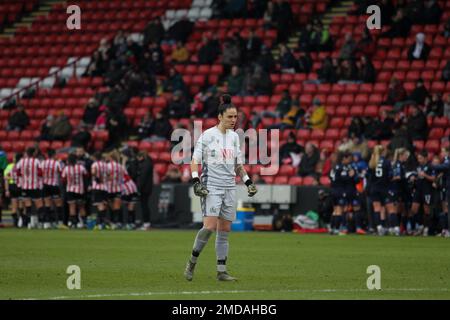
{"type": "Point", "coordinates": [218, 154]}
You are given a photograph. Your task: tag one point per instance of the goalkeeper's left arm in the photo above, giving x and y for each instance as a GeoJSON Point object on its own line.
{"type": "Point", "coordinates": [251, 188]}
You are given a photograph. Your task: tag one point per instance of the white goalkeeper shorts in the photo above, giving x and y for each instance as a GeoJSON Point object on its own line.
{"type": "Point", "coordinates": [219, 203]}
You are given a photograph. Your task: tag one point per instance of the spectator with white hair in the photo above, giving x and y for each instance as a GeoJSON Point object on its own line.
{"type": "Point", "coordinates": [420, 50]}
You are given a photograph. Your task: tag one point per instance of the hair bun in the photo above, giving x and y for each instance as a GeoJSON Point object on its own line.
{"type": "Point", "coordinates": [226, 99]}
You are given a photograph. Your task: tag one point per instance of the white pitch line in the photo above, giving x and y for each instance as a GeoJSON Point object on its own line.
{"type": "Point", "coordinates": [140, 294]}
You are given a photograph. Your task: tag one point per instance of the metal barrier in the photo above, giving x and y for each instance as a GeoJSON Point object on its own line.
{"type": "Point", "coordinates": [37, 83]}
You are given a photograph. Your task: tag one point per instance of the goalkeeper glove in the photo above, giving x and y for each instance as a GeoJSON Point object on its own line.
{"type": "Point", "coordinates": [251, 188]}
{"type": "Point", "coordinates": [199, 189]}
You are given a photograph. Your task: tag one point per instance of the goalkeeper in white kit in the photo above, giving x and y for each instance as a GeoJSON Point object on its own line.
{"type": "Point", "coordinates": [218, 151]}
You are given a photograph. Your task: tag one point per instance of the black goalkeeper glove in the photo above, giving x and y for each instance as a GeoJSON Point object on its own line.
{"type": "Point", "coordinates": [251, 188]}
{"type": "Point", "coordinates": [199, 189]}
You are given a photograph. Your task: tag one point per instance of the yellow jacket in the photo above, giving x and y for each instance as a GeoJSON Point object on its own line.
{"type": "Point", "coordinates": [319, 118]}
{"type": "Point", "coordinates": [180, 55]}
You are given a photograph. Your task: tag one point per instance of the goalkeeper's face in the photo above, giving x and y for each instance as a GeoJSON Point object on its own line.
{"type": "Point", "coordinates": [228, 118]}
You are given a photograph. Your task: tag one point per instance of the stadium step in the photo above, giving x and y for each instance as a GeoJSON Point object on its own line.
{"type": "Point", "coordinates": [339, 9]}
{"type": "Point", "coordinates": [27, 20]}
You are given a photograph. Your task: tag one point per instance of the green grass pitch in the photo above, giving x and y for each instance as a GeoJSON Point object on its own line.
{"type": "Point", "coordinates": [149, 265]}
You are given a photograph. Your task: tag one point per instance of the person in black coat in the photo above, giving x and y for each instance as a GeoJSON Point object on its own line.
{"type": "Point", "coordinates": [419, 50]}
{"type": "Point", "coordinates": [144, 184]}
{"type": "Point", "coordinates": [417, 124]}
{"type": "Point", "coordinates": [209, 51]}
{"type": "Point", "coordinates": [19, 120]}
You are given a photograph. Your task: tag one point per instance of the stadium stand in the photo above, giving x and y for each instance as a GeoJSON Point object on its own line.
{"type": "Point", "coordinates": [47, 51]}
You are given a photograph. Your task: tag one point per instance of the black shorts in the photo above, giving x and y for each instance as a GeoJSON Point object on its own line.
{"type": "Point", "coordinates": [51, 191]}
{"type": "Point", "coordinates": [422, 196]}
{"type": "Point", "coordinates": [130, 198]}
{"type": "Point", "coordinates": [34, 194]}
{"type": "Point", "coordinates": [99, 196]}
{"type": "Point", "coordinates": [339, 197]}
{"type": "Point", "coordinates": [113, 195]}
{"type": "Point", "coordinates": [379, 196]}
{"type": "Point", "coordinates": [393, 196]}
{"type": "Point", "coordinates": [74, 197]}
{"type": "Point", "coordinates": [14, 191]}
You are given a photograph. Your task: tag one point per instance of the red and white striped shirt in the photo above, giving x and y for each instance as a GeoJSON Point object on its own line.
{"type": "Point", "coordinates": [30, 171]}
{"type": "Point", "coordinates": [74, 175]}
{"type": "Point", "coordinates": [52, 171]}
{"type": "Point", "coordinates": [129, 187]}
{"type": "Point", "coordinates": [116, 173]}
{"type": "Point", "coordinates": [99, 171]}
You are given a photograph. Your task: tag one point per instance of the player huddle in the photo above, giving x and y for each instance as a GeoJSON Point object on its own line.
{"type": "Point", "coordinates": [394, 192]}
{"type": "Point", "coordinates": [48, 183]}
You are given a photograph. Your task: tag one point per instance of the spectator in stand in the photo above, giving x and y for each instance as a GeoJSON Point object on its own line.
{"type": "Point", "coordinates": [400, 27]}
{"type": "Point", "coordinates": [304, 41]}
{"type": "Point", "coordinates": [143, 129]}
{"type": "Point", "coordinates": [366, 70]}
{"type": "Point", "coordinates": [174, 82]}
{"type": "Point", "coordinates": [96, 66]}
{"type": "Point", "coordinates": [319, 117]}
{"type": "Point", "coordinates": [45, 128]}
{"type": "Point", "coordinates": [180, 54]}
{"type": "Point", "coordinates": [309, 161]}
{"type": "Point", "coordinates": [154, 31]}
{"type": "Point", "coordinates": [156, 66]}
{"type": "Point", "coordinates": [91, 112]}
{"type": "Point", "coordinates": [235, 81]}
{"type": "Point", "coordinates": [173, 175]}
{"type": "Point", "coordinates": [447, 107]}
{"type": "Point", "coordinates": [283, 19]}
{"type": "Point", "coordinates": [356, 128]}
{"type": "Point", "coordinates": [420, 50]}
{"type": "Point", "coordinates": [19, 120]}
{"type": "Point", "coordinates": [328, 72]}
{"type": "Point", "coordinates": [417, 96]}
{"type": "Point", "coordinates": [288, 63]}
{"type": "Point", "coordinates": [178, 108]}
{"type": "Point", "coordinates": [355, 144]}
{"type": "Point", "coordinates": [432, 12]}
{"type": "Point", "coordinates": [257, 82]}
{"type": "Point", "coordinates": [320, 38]}
{"type": "Point", "coordinates": [348, 49]}
{"type": "Point", "coordinates": [281, 110]}
{"type": "Point", "coordinates": [434, 105]}
{"type": "Point", "coordinates": [446, 32]}
{"type": "Point", "coordinates": [417, 124]}
{"type": "Point", "coordinates": [305, 63]}
{"type": "Point", "coordinates": [82, 138]}
{"type": "Point", "coordinates": [252, 47]}
{"type": "Point", "coordinates": [385, 124]}
{"type": "Point", "coordinates": [401, 139]}
{"type": "Point", "coordinates": [268, 16]}
{"type": "Point", "coordinates": [348, 73]}
{"type": "Point", "coordinates": [117, 129]}
{"type": "Point", "coordinates": [100, 122]}
{"type": "Point", "coordinates": [161, 128]}
{"type": "Point", "coordinates": [396, 92]}
{"type": "Point", "coordinates": [61, 129]}
{"type": "Point", "coordinates": [291, 151]}
{"type": "Point", "coordinates": [446, 72]}
{"type": "Point", "coordinates": [209, 50]}
{"type": "Point", "coordinates": [292, 119]}
{"type": "Point", "coordinates": [231, 55]}
{"type": "Point", "coordinates": [211, 103]}
{"type": "Point", "coordinates": [180, 30]}
{"type": "Point", "coordinates": [266, 60]}
{"type": "Point", "coordinates": [366, 45]}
